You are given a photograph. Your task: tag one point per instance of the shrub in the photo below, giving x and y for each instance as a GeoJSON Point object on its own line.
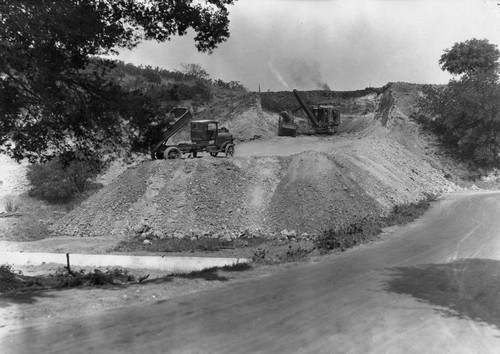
{"type": "Point", "coordinates": [8, 280]}
{"type": "Point", "coordinates": [56, 181]}
{"type": "Point", "coordinates": [297, 254]}
{"type": "Point", "coordinates": [347, 237]}
{"type": "Point", "coordinates": [262, 255]}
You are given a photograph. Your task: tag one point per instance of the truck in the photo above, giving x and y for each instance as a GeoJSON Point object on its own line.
{"type": "Point", "coordinates": [206, 136]}
{"type": "Point", "coordinates": [324, 118]}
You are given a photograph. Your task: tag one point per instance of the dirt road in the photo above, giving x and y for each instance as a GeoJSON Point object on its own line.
{"type": "Point", "coordinates": [430, 287]}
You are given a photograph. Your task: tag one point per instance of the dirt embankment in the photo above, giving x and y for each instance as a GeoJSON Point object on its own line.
{"type": "Point", "coordinates": [242, 114]}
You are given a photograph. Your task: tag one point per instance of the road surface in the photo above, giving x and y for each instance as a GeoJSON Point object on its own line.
{"type": "Point", "coordinates": [430, 287]}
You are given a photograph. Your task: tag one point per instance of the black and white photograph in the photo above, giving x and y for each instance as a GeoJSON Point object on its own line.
{"type": "Point", "coordinates": [250, 176]}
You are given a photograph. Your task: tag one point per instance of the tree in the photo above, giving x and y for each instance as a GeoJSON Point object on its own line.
{"type": "Point", "coordinates": [195, 71]}
{"type": "Point", "coordinates": [54, 95]}
{"type": "Point", "coordinates": [465, 115]}
{"type": "Point", "coordinates": [471, 56]}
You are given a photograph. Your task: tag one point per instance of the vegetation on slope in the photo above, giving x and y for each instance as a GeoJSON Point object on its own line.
{"type": "Point", "coordinates": [465, 114]}
{"type": "Point", "coordinates": [56, 97]}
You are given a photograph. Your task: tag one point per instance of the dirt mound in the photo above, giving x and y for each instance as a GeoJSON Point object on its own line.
{"type": "Point", "coordinates": [315, 193]}
{"type": "Point", "coordinates": [242, 115]}
{"type": "Point", "coordinates": [308, 192]}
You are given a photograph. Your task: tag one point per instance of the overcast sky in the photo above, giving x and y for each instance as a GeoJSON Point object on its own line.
{"type": "Point", "coordinates": [347, 44]}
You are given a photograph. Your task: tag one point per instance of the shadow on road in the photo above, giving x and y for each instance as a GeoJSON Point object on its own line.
{"type": "Point", "coordinates": [465, 288]}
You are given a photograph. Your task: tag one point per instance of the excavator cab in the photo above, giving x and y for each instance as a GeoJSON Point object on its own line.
{"type": "Point", "coordinates": [326, 115]}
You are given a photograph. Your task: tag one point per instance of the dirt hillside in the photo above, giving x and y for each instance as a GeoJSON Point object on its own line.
{"type": "Point", "coordinates": [274, 186]}
{"type": "Point", "coordinates": [242, 114]}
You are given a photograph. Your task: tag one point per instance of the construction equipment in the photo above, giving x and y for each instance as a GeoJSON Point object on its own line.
{"type": "Point", "coordinates": [287, 125]}
{"type": "Point", "coordinates": [205, 136]}
{"type": "Point", "coordinates": [324, 118]}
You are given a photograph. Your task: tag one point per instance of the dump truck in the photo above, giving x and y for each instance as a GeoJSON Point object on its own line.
{"type": "Point", "coordinates": [206, 136]}
{"type": "Point", "coordinates": [324, 118]}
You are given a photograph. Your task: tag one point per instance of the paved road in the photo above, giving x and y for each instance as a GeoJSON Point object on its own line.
{"type": "Point", "coordinates": [431, 287]}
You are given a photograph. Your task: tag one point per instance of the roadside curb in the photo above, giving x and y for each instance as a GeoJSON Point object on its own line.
{"type": "Point", "coordinates": [169, 264]}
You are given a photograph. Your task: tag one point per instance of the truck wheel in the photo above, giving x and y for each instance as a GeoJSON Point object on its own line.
{"type": "Point", "coordinates": [229, 150]}
{"type": "Point", "coordinates": [214, 154]}
{"type": "Point", "coordinates": [171, 153]}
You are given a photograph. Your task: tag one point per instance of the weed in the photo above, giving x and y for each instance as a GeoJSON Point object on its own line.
{"type": "Point", "coordinates": [209, 274]}
{"type": "Point", "coordinates": [237, 267]}
{"type": "Point", "coordinates": [298, 254]}
{"type": "Point", "coordinates": [10, 206]}
{"type": "Point", "coordinates": [293, 254]}
{"type": "Point", "coordinates": [72, 279]}
{"type": "Point", "coordinates": [261, 256]}
{"type": "Point", "coordinates": [349, 236]}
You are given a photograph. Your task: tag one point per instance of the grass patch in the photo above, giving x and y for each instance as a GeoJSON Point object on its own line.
{"type": "Point", "coordinates": [186, 244]}
{"type": "Point", "coordinates": [368, 229]}
{"type": "Point", "coordinates": [293, 254]}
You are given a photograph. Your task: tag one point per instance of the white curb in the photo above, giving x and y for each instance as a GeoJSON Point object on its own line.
{"type": "Point", "coordinates": [168, 264]}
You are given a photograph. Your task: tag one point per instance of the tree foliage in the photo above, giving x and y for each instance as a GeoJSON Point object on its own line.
{"type": "Point", "coordinates": [195, 71]}
{"type": "Point", "coordinates": [471, 56]}
{"type": "Point", "coordinates": [465, 115]}
{"type": "Point", "coordinates": [55, 96]}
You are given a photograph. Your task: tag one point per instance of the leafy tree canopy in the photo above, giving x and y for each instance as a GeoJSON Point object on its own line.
{"type": "Point", "coordinates": [471, 56]}
{"type": "Point", "coordinates": [465, 115]}
{"type": "Point", "coordinates": [195, 70]}
{"type": "Point", "coordinates": [54, 95]}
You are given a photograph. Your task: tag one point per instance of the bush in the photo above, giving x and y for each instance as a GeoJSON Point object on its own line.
{"type": "Point", "coordinates": [350, 236]}
{"type": "Point", "coordinates": [8, 280]}
{"type": "Point", "coordinates": [56, 181]}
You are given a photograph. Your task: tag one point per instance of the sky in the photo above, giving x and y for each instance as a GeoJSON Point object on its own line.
{"type": "Point", "coordinates": [280, 45]}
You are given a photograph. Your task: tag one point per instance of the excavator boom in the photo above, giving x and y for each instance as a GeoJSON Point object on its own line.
{"type": "Point", "coordinates": [306, 109]}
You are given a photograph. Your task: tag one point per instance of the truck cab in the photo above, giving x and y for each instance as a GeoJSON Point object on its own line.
{"type": "Point", "coordinates": [207, 136]}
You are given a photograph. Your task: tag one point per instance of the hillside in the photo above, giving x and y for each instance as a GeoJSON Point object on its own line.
{"type": "Point", "coordinates": [305, 184]}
